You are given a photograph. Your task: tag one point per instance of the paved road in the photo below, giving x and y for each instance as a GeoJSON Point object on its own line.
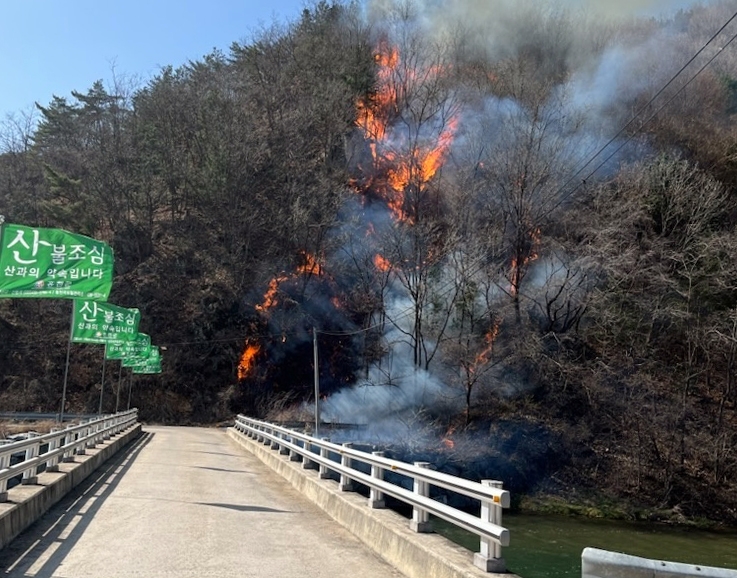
{"type": "Point", "coordinates": [188, 502]}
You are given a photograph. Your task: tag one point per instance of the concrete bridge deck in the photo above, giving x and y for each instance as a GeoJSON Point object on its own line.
{"type": "Point", "coordinates": [188, 502]}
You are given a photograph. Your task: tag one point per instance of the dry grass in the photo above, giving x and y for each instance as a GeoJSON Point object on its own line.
{"type": "Point", "coordinates": [12, 427]}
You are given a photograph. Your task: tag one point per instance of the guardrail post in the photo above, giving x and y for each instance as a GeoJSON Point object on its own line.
{"type": "Point", "coordinates": [275, 445]}
{"type": "Point", "coordinates": [420, 518]}
{"type": "Point", "coordinates": [4, 463]}
{"type": "Point", "coordinates": [489, 557]}
{"type": "Point", "coordinates": [92, 431]}
{"type": "Point", "coordinates": [53, 464]}
{"type": "Point", "coordinates": [376, 497]}
{"type": "Point", "coordinates": [29, 476]}
{"type": "Point", "coordinates": [325, 454]}
{"type": "Point", "coordinates": [283, 450]}
{"type": "Point", "coordinates": [293, 455]}
{"type": "Point", "coordinates": [346, 483]}
{"type": "Point", "coordinates": [68, 455]}
{"type": "Point", "coordinates": [307, 463]}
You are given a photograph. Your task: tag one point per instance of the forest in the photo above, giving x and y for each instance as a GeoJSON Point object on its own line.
{"type": "Point", "coordinates": [507, 229]}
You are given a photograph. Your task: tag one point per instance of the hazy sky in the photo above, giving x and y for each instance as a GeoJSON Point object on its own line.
{"type": "Point", "coordinates": [51, 47]}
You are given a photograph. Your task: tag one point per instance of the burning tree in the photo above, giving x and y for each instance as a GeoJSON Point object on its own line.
{"type": "Point", "coordinates": [408, 122]}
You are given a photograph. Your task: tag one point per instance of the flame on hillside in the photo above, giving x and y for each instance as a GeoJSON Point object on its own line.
{"type": "Point", "coordinates": [248, 359]}
{"type": "Point", "coordinates": [526, 255]}
{"type": "Point", "coordinates": [381, 263]}
{"type": "Point", "coordinates": [398, 165]}
{"type": "Point", "coordinates": [270, 297]}
{"type": "Point", "coordinates": [309, 266]}
{"type": "Point", "coordinates": [483, 356]}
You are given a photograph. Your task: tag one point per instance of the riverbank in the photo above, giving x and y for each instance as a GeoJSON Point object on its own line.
{"type": "Point", "coordinates": [602, 508]}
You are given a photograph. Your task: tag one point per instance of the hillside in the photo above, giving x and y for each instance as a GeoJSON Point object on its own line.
{"type": "Point", "coordinates": [513, 245]}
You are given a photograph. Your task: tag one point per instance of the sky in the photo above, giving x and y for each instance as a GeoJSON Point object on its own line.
{"type": "Point", "coordinates": [49, 47]}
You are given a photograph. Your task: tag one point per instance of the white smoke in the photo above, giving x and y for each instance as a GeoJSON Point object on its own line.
{"type": "Point", "coordinates": [607, 71]}
{"type": "Point", "coordinates": [392, 399]}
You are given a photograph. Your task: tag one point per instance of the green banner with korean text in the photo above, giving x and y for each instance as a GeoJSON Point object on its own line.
{"type": "Point", "coordinates": [150, 356]}
{"type": "Point", "coordinates": [149, 367]}
{"type": "Point", "coordinates": [96, 322]}
{"type": "Point", "coordinates": [138, 347]}
{"type": "Point", "coordinates": [53, 263]}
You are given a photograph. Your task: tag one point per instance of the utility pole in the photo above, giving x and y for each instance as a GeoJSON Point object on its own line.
{"type": "Point", "coordinates": [317, 382]}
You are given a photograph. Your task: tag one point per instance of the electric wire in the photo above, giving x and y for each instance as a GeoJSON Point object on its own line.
{"type": "Point", "coordinates": [410, 310]}
{"type": "Point", "coordinates": [647, 105]}
{"type": "Point", "coordinates": [476, 267]}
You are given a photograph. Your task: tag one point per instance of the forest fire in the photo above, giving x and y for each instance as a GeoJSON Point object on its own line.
{"type": "Point", "coordinates": [310, 265]}
{"type": "Point", "coordinates": [281, 288]}
{"type": "Point", "coordinates": [248, 359]}
{"type": "Point", "coordinates": [447, 442]}
{"type": "Point", "coordinates": [405, 162]}
{"type": "Point", "coordinates": [526, 254]}
{"type": "Point", "coordinates": [374, 113]}
{"type": "Point", "coordinates": [381, 263]}
{"type": "Point", "coordinates": [399, 164]}
{"type": "Point", "coordinates": [484, 355]}
{"type": "Point", "coordinates": [270, 299]}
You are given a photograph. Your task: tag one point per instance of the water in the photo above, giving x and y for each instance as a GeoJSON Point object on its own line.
{"type": "Point", "coordinates": [551, 546]}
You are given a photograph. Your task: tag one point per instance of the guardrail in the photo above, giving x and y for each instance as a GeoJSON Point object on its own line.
{"type": "Point", "coordinates": [44, 452]}
{"type": "Point", "coordinates": [597, 563]}
{"type": "Point", "coordinates": [319, 453]}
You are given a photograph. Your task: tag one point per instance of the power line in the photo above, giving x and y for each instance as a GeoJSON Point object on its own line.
{"type": "Point", "coordinates": [642, 110]}
{"type": "Point", "coordinates": [479, 261]}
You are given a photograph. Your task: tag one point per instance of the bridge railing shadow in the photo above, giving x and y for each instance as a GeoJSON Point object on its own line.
{"type": "Point", "coordinates": [64, 524]}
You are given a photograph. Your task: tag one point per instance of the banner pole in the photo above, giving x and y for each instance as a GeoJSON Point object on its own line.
{"type": "Point", "coordinates": [130, 387]}
{"type": "Point", "coordinates": [102, 380]}
{"type": "Point", "coordinates": [66, 366]}
{"type": "Point", "coordinates": [117, 395]}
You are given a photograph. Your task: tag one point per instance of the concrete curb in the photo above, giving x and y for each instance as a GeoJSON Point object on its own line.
{"type": "Point", "coordinates": [26, 504]}
{"type": "Point", "coordinates": [384, 531]}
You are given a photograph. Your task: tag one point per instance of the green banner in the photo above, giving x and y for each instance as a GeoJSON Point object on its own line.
{"type": "Point", "coordinates": [150, 356]}
{"type": "Point", "coordinates": [138, 347]}
{"type": "Point", "coordinates": [152, 367]}
{"type": "Point", "coordinates": [95, 322]}
{"type": "Point", "coordinates": [53, 263]}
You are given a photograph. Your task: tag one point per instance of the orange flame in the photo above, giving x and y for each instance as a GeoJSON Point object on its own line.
{"type": "Point", "coordinates": [374, 112]}
{"type": "Point", "coordinates": [270, 299]}
{"type": "Point", "coordinates": [248, 359]}
{"type": "Point", "coordinates": [310, 265]}
{"type": "Point", "coordinates": [519, 262]}
{"type": "Point", "coordinates": [381, 263]}
{"type": "Point", "coordinates": [484, 355]}
{"type": "Point", "coordinates": [447, 442]}
{"type": "Point", "coordinates": [412, 168]}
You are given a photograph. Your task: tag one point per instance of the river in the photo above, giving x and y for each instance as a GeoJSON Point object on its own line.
{"type": "Point", "coordinates": [551, 546]}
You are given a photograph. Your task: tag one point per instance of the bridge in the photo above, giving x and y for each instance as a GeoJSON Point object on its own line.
{"type": "Point", "coordinates": [111, 497]}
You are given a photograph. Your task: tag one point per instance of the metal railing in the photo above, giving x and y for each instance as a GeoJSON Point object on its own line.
{"type": "Point", "coordinates": [342, 459]}
{"type": "Point", "coordinates": [596, 563]}
{"type": "Point", "coordinates": [44, 452]}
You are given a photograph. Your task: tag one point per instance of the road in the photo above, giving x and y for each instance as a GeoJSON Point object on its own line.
{"type": "Point", "coordinates": [185, 502]}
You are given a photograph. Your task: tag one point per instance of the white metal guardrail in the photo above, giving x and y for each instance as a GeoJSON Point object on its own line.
{"type": "Point", "coordinates": [597, 563]}
{"type": "Point", "coordinates": [319, 453]}
{"type": "Point", "coordinates": [44, 452]}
